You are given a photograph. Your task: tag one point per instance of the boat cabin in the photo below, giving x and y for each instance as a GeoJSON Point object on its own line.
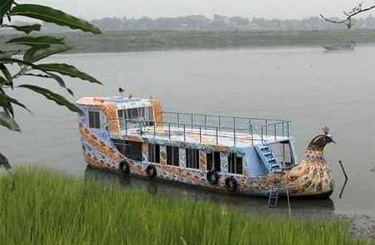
{"type": "Point", "coordinates": [140, 130]}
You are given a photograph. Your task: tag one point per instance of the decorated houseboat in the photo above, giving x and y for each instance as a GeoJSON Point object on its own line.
{"type": "Point", "coordinates": [249, 156]}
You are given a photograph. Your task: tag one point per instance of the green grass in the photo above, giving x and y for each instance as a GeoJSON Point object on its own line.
{"type": "Point", "coordinates": [42, 207]}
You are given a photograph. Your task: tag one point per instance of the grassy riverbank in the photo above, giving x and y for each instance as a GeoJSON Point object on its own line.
{"type": "Point", "coordinates": [132, 41]}
{"type": "Point", "coordinates": [39, 207]}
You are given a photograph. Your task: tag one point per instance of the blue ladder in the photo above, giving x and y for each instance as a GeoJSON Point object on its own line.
{"type": "Point", "coordinates": [269, 160]}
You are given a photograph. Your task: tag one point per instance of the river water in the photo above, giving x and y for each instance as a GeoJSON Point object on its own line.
{"type": "Point", "coordinates": [305, 85]}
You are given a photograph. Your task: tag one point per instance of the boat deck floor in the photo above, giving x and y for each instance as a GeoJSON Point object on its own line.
{"type": "Point", "coordinates": [206, 136]}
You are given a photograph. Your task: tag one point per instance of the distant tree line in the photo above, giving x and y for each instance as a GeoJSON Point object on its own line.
{"type": "Point", "coordinates": [225, 23]}
{"type": "Point", "coordinates": [217, 23]}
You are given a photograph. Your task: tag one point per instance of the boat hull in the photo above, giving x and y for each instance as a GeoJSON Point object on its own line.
{"type": "Point", "coordinates": [304, 181]}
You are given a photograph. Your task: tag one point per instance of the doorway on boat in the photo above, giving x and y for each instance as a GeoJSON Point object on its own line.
{"type": "Point", "coordinates": [283, 152]}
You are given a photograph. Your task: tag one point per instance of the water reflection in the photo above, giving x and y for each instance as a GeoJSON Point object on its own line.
{"type": "Point", "coordinates": [252, 205]}
{"type": "Point", "coordinates": [343, 188]}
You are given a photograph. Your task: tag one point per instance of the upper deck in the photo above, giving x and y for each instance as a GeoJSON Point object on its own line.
{"type": "Point", "coordinates": [209, 129]}
{"type": "Point", "coordinates": [145, 118]}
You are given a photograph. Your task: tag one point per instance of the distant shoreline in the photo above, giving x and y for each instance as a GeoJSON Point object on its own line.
{"type": "Point", "coordinates": [138, 41]}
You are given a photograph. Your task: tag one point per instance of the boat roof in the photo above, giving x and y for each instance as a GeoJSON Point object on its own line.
{"type": "Point", "coordinates": [122, 102]}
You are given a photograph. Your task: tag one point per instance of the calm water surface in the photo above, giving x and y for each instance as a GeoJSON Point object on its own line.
{"type": "Point", "coordinates": [305, 85]}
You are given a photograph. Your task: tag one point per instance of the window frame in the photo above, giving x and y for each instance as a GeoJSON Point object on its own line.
{"type": "Point", "coordinates": [123, 146]}
{"type": "Point", "coordinates": [139, 150]}
{"type": "Point", "coordinates": [173, 155]}
{"type": "Point", "coordinates": [93, 124]}
{"type": "Point", "coordinates": [194, 156]}
{"type": "Point", "coordinates": [234, 165]}
{"type": "Point", "coordinates": [134, 116]}
{"type": "Point", "coordinates": [153, 153]}
{"type": "Point", "coordinates": [215, 160]}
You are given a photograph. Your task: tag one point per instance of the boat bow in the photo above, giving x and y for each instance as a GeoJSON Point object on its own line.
{"type": "Point", "coordinates": [312, 177]}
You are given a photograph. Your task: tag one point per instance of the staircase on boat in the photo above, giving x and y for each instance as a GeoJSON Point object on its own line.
{"type": "Point", "coordinates": [268, 158]}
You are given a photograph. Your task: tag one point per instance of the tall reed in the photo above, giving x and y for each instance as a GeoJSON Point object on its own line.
{"type": "Point", "coordinates": [43, 207]}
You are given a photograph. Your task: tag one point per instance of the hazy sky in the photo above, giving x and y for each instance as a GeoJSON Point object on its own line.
{"type": "Point", "coordinates": [281, 9]}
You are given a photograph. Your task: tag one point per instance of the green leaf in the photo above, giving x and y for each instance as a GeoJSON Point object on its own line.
{"type": "Point", "coordinates": [6, 101]}
{"type": "Point", "coordinates": [67, 70]}
{"type": "Point", "coordinates": [58, 99]}
{"type": "Point", "coordinates": [8, 54]}
{"type": "Point", "coordinates": [58, 79]}
{"type": "Point", "coordinates": [27, 29]}
{"type": "Point", "coordinates": [5, 6]}
{"type": "Point", "coordinates": [63, 69]}
{"type": "Point", "coordinates": [35, 54]}
{"type": "Point", "coordinates": [4, 162]}
{"type": "Point", "coordinates": [48, 14]}
{"type": "Point", "coordinates": [7, 75]}
{"type": "Point", "coordinates": [2, 81]}
{"type": "Point", "coordinates": [7, 60]}
{"type": "Point", "coordinates": [14, 101]}
{"type": "Point", "coordinates": [42, 41]}
{"type": "Point", "coordinates": [7, 121]}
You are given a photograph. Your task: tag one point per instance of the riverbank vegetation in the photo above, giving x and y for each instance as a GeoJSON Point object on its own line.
{"type": "Point", "coordinates": [133, 41]}
{"type": "Point", "coordinates": [42, 207]}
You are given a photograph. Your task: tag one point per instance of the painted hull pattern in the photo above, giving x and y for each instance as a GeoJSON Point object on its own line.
{"type": "Point", "coordinates": [310, 178]}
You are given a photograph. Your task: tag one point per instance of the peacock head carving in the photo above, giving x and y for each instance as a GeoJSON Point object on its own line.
{"type": "Point", "coordinates": [319, 142]}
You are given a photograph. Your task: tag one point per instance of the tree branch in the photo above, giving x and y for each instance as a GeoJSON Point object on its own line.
{"type": "Point", "coordinates": [348, 20]}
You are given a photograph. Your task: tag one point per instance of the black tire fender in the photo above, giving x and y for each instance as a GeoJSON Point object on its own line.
{"type": "Point", "coordinates": [212, 177]}
{"type": "Point", "coordinates": [124, 167]}
{"type": "Point", "coordinates": [231, 183]}
{"type": "Point", "coordinates": [151, 171]}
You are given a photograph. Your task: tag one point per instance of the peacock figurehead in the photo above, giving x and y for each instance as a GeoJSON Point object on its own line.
{"type": "Point", "coordinates": [319, 142]}
{"type": "Point", "coordinates": [313, 177]}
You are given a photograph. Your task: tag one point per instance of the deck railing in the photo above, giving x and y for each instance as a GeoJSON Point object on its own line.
{"type": "Point", "coordinates": [179, 126]}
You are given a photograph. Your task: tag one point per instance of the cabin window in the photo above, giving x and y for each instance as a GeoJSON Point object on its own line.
{"type": "Point", "coordinates": [213, 161]}
{"type": "Point", "coordinates": [192, 158]}
{"type": "Point", "coordinates": [133, 150]}
{"type": "Point", "coordinates": [120, 145]}
{"type": "Point", "coordinates": [130, 149]}
{"type": "Point", "coordinates": [154, 153]}
{"type": "Point", "coordinates": [172, 155]}
{"type": "Point", "coordinates": [94, 119]}
{"type": "Point", "coordinates": [135, 115]}
{"type": "Point", "coordinates": [234, 163]}
{"type": "Point", "coordinates": [282, 151]}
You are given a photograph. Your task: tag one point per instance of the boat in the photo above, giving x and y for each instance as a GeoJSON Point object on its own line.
{"type": "Point", "coordinates": [247, 156]}
{"type": "Point", "coordinates": [349, 45]}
